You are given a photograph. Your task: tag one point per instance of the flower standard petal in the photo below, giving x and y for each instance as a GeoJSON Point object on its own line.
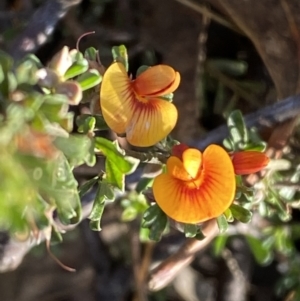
{"type": "Point", "coordinates": [248, 162]}
{"type": "Point", "coordinates": [201, 199]}
{"type": "Point", "coordinates": [116, 98]}
{"type": "Point", "coordinates": [157, 81]}
{"type": "Point", "coordinates": [152, 120]}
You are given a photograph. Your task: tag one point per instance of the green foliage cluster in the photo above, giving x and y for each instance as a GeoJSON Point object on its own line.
{"type": "Point", "coordinates": [39, 151]}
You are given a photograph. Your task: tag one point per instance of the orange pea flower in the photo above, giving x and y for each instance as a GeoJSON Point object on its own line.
{"type": "Point", "coordinates": [247, 162]}
{"type": "Point", "coordinates": [196, 186]}
{"type": "Point", "coordinates": [134, 107]}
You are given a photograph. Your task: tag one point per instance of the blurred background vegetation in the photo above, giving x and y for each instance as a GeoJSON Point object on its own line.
{"type": "Point", "coordinates": [231, 55]}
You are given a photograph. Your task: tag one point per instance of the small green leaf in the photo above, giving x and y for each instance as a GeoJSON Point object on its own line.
{"type": "Point", "coordinates": [119, 54]}
{"type": "Point", "coordinates": [237, 129]}
{"type": "Point", "coordinates": [87, 124]}
{"type": "Point", "coordinates": [142, 69]}
{"type": "Point", "coordinates": [12, 82]}
{"type": "Point", "coordinates": [150, 215]}
{"type": "Point", "coordinates": [241, 214]}
{"type": "Point", "coordinates": [129, 214]}
{"type": "Point", "coordinates": [77, 149]}
{"type": "Point", "coordinates": [190, 230]}
{"type": "Point", "coordinates": [230, 67]}
{"type": "Point", "coordinates": [157, 229]}
{"type": "Point", "coordinates": [261, 147]}
{"type": "Point", "coordinates": [111, 152]}
{"type": "Point", "coordinates": [222, 223]}
{"type": "Point", "coordinates": [91, 54]}
{"type": "Point", "coordinates": [56, 237]}
{"type": "Point", "coordinates": [143, 183]}
{"type": "Point", "coordinates": [114, 176]}
{"type": "Point", "coordinates": [104, 193]}
{"type": "Point", "coordinates": [76, 69]}
{"type": "Point", "coordinates": [156, 220]}
{"type": "Point", "coordinates": [87, 186]}
{"type": "Point", "coordinates": [7, 82]}
{"type": "Point", "coordinates": [228, 215]}
{"type": "Point", "coordinates": [261, 254]}
{"type": "Point", "coordinates": [99, 121]}
{"type": "Point", "coordinates": [227, 142]}
{"type": "Point", "coordinates": [26, 72]}
{"type": "Point", "coordinates": [89, 79]}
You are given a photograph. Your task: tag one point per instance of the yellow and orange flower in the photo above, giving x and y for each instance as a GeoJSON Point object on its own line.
{"type": "Point", "coordinates": [134, 107]}
{"type": "Point", "coordinates": [198, 187]}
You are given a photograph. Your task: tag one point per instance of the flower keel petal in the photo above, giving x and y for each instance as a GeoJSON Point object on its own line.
{"type": "Point", "coordinates": [249, 162]}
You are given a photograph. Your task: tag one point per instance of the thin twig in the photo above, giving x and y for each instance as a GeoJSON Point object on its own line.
{"type": "Point", "coordinates": [294, 32]}
{"type": "Point", "coordinates": [268, 116]}
{"type": "Point", "coordinates": [40, 27]}
{"type": "Point", "coordinates": [136, 263]}
{"type": "Point", "coordinates": [165, 272]}
{"type": "Point", "coordinates": [204, 10]}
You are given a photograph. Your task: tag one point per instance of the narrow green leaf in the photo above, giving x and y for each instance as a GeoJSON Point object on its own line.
{"type": "Point", "coordinates": [56, 237]}
{"type": "Point", "coordinates": [76, 148]}
{"type": "Point", "coordinates": [190, 230]}
{"type": "Point", "coordinates": [129, 214]}
{"type": "Point", "coordinates": [241, 214]}
{"type": "Point", "coordinates": [26, 72]}
{"type": "Point", "coordinates": [76, 69]}
{"type": "Point", "coordinates": [157, 228]}
{"type": "Point", "coordinates": [6, 83]}
{"type": "Point", "coordinates": [119, 54]}
{"type": "Point", "coordinates": [151, 213]}
{"type": "Point", "coordinates": [261, 254]}
{"type": "Point", "coordinates": [141, 69]}
{"type": "Point", "coordinates": [228, 215]}
{"type": "Point", "coordinates": [114, 176]}
{"type": "Point", "coordinates": [143, 183]}
{"type": "Point", "coordinates": [89, 79]}
{"type": "Point", "coordinates": [95, 225]}
{"type": "Point", "coordinates": [87, 125]}
{"type": "Point", "coordinates": [219, 244]}
{"type": "Point", "coordinates": [99, 121]}
{"type": "Point", "coordinates": [237, 129]}
{"type": "Point", "coordinates": [222, 223]}
{"type": "Point", "coordinates": [228, 144]}
{"type": "Point", "coordinates": [156, 220]}
{"type": "Point", "coordinates": [104, 193]}
{"type": "Point", "coordinates": [230, 67]}
{"type": "Point", "coordinates": [110, 150]}
{"type": "Point", "coordinates": [87, 186]}
{"type": "Point", "coordinates": [91, 54]}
